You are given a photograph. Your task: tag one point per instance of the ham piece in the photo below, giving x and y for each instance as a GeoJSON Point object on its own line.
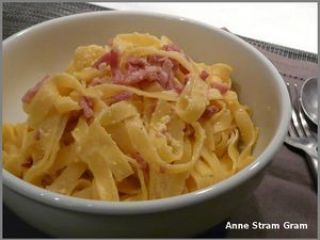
{"type": "Point", "coordinates": [142, 70]}
{"type": "Point", "coordinates": [86, 104]}
{"type": "Point", "coordinates": [27, 97]}
{"type": "Point", "coordinates": [171, 47]}
{"type": "Point", "coordinates": [222, 87]}
{"type": "Point", "coordinates": [210, 111]}
{"type": "Point", "coordinates": [97, 81]}
{"type": "Point", "coordinates": [28, 163]}
{"type": "Point", "coordinates": [143, 164]}
{"type": "Point", "coordinates": [153, 69]}
{"type": "Point", "coordinates": [111, 58]}
{"type": "Point", "coordinates": [72, 122]}
{"type": "Point", "coordinates": [204, 75]}
{"type": "Point", "coordinates": [122, 96]}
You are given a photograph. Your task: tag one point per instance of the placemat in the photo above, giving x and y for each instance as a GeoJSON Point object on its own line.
{"type": "Point", "coordinates": [286, 193]}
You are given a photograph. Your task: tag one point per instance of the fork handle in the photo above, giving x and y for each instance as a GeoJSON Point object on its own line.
{"type": "Point", "coordinates": [313, 165]}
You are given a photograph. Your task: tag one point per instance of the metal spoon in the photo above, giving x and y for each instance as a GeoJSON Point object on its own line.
{"type": "Point", "coordinates": [309, 99]}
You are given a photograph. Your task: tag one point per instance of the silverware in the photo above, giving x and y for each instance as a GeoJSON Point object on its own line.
{"type": "Point", "coordinates": [299, 134]}
{"type": "Point", "coordinates": [309, 99]}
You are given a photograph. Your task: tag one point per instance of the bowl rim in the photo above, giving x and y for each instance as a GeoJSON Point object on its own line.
{"type": "Point", "coordinates": [57, 200]}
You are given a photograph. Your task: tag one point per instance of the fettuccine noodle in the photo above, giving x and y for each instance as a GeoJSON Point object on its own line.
{"type": "Point", "coordinates": [136, 119]}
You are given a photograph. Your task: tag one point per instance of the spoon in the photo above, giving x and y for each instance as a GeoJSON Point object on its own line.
{"type": "Point", "coordinates": [309, 99]}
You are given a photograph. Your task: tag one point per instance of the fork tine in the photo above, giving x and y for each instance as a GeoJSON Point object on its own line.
{"type": "Point", "coordinates": [291, 131]}
{"type": "Point", "coordinates": [296, 123]}
{"type": "Point", "coordinates": [301, 119]}
{"type": "Point", "coordinates": [295, 130]}
{"type": "Point", "coordinates": [304, 124]}
{"type": "Point", "coordinates": [298, 132]}
{"type": "Point", "coordinates": [289, 91]}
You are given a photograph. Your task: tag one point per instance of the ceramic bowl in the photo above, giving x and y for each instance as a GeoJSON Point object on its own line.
{"type": "Point", "coordinates": [48, 47]}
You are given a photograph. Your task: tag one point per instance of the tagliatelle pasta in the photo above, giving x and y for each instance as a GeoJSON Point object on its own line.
{"type": "Point", "coordinates": [136, 119]}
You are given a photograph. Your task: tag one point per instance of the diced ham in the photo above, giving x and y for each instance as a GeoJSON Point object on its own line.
{"type": "Point", "coordinates": [46, 180]}
{"type": "Point", "coordinates": [175, 67]}
{"type": "Point", "coordinates": [28, 163]}
{"type": "Point", "coordinates": [162, 169]}
{"type": "Point", "coordinates": [156, 60]}
{"type": "Point", "coordinates": [67, 139]}
{"type": "Point", "coordinates": [97, 81]}
{"type": "Point", "coordinates": [122, 96]}
{"type": "Point", "coordinates": [210, 111]}
{"type": "Point", "coordinates": [204, 75]}
{"type": "Point", "coordinates": [156, 68]}
{"type": "Point", "coordinates": [178, 88]}
{"type": "Point", "coordinates": [117, 76]}
{"type": "Point", "coordinates": [33, 91]}
{"type": "Point", "coordinates": [142, 163]}
{"type": "Point", "coordinates": [175, 48]}
{"type": "Point", "coordinates": [37, 135]}
{"type": "Point", "coordinates": [110, 58]}
{"type": "Point", "coordinates": [153, 107]}
{"type": "Point", "coordinates": [39, 132]}
{"type": "Point", "coordinates": [102, 67]}
{"type": "Point", "coordinates": [222, 87]}
{"type": "Point", "coordinates": [141, 70]}
{"type": "Point", "coordinates": [186, 79]}
{"type": "Point", "coordinates": [169, 67]}
{"type": "Point", "coordinates": [160, 60]}
{"type": "Point", "coordinates": [171, 47]}
{"type": "Point", "coordinates": [150, 73]}
{"type": "Point", "coordinates": [189, 131]}
{"type": "Point", "coordinates": [183, 69]}
{"type": "Point", "coordinates": [133, 77]}
{"type": "Point", "coordinates": [135, 63]}
{"type": "Point", "coordinates": [72, 122]}
{"type": "Point", "coordinates": [86, 104]}
{"type": "Point", "coordinates": [87, 175]}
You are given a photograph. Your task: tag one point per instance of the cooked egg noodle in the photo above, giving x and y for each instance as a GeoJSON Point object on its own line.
{"type": "Point", "coordinates": [81, 139]}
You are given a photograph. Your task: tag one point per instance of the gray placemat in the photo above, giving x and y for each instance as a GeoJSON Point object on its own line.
{"type": "Point", "coordinates": [283, 51]}
{"type": "Point", "coordinates": [19, 16]}
{"type": "Point", "coordinates": [286, 193]}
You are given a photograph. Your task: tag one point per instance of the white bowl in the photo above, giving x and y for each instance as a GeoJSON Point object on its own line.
{"type": "Point", "coordinates": [48, 47]}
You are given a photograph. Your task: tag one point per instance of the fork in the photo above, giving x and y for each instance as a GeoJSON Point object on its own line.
{"type": "Point", "coordinates": [299, 134]}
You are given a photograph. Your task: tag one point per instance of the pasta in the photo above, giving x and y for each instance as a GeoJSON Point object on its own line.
{"type": "Point", "coordinates": [134, 120]}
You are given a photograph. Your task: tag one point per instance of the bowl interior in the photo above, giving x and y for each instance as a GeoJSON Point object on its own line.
{"type": "Point", "coordinates": [49, 47]}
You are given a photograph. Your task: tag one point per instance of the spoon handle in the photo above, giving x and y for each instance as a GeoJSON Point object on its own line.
{"type": "Point", "coordinates": [313, 165]}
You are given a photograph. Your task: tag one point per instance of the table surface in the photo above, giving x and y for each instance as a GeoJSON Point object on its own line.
{"type": "Point", "coordinates": [293, 25]}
